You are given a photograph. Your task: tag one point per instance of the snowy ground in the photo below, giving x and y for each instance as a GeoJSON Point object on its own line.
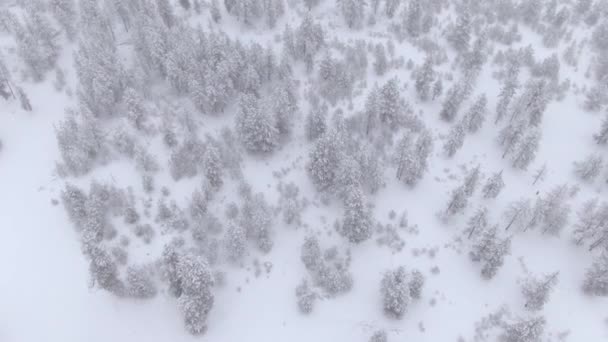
{"type": "Point", "coordinates": [44, 292]}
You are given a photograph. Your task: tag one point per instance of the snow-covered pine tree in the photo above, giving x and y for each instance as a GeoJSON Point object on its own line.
{"type": "Point", "coordinates": [65, 13]}
{"type": "Point", "coordinates": [493, 186]}
{"type": "Point", "coordinates": [460, 35]}
{"type": "Point", "coordinates": [424, 79]}
{"type": "Point", "coordinates": [455, 140]}
{"type": "Point", "coordinates": [458, 201]}
{"type": "Point", "coordinates": [596, 278]}
{"type": "Point", "coordinates": [524, 330]}
{"type": "Point", "coordinates": [390, 7]}
{"type": "Point", "coordinates": [413, 18]}
{"type": "Point", "coordinates": [391, 103]}
{"type": "Point", "coordinates": [357, 222]}
{"type": "Point", "coordinates": [510, 137]}
{"type": "Point", "coordinates": [476, 115]}
{"type": "Point", "coordinates": [451, 103]}
{"type": "Point", "coordinates": [353, 12]}
{"type": "Point", "coordinates": [471, 181]}
{"type": "Point", "coordinates": [601, 138]}
{"type": "Point", "coordinates": [196, 299]}
{"type": "Point", "coordinates": [212, 164]}
{"type": "Point", "coordinates": [380, 60]}
{"type": "Point", "coordinates": [255, 127]}
{"type": "Point", "coordinates": [555, 210]}
{"type": "Point", "coordinates": [37, 44]}
{"type": "Point", "coordinates": [508, 89]}
{"type": "Point", "coordinates": [490, 250]}
{"type": "Point", "coordinates": [536, 290]}
{"type": "Point", "coordinates": [395, 292]}
{"type": "Point", "coordinates": [589, 168]}
{"type": "Point", "coordinates": [324, 159]}
{"type": "Point", "coordinates": [592, 225]}
{"type": "Point", "coordinates": [526, 150]}
{"type": "Point", "coordinates": [477, 222]}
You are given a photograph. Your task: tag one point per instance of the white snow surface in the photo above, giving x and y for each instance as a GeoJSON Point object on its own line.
{"type": "Point", "coordinates": [44, 286]}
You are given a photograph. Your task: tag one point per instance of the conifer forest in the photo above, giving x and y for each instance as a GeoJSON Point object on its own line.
{"type": "Point", "coordinates": [304, 170]}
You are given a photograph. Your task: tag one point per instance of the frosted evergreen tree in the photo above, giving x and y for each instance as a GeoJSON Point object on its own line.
{"type": "Point", "coordinates": [310, 253]}
{"type": "Point", "coordinates": [140, 283]}
{"type": "Point", "coordinates": [510, 137]}
{"type": "Point", "coordinates": [391, 103]}
{"type": "Point", "coordinates": [100, 73]}
{"type": "Point", "coordinates": [196, 299]}
{"type": "Point", "coordinates": [81, 143]}
{"type": "Point", "coordinates": [284, 105]}
{"type": "Point", "coordinates": [592, 225]}
{"type": "Point", "coordinates": [316, 124]}
{"type": "Point", "coordinates": [424, 79]}
{"type": "Point", "coordinates": [212, 165]}
{"type": "Point", "coordinates": [412, 158]}
{"type": "Point", "coordinates": [135, 109]}
{"type": "Point", "coordinates": [540, 174]}
{"type": "Point", "coordinates": [416, 283]}
{"type": "Point", "coordinates": [256, 129]}
{"type": "Point", "coordinates": [185, 160]}
{"type": "Point", "coordinates": [379, 336]}
{"type": "Point", "coordinates": [526, 150]}
{"type": "Point", "coordinates": [602, 136]}
{"type": "Point", "coordinates": [532, 103]}
{"type": "Point", "coordinates": [536, 290]}
{"type": "Point", "coordinates": [348, 175]}
{"type": "Point", "coordinates": [477, 222]}
{"type": "Point", "coordinates": [198, 206]}
{"type": "Point", "coordinates": [216, 14]}
{"type": "Point", "coordinates": [490, 250]}
{"type": "Point", "coordinates": [476, 115]}
{"type": "Point", "coordinates": [471, 181]}
{"type": "Point", "coordinates": [65, 13]}
{"type": "Point", "coordinates": [308, 40]}
{"type": "Point", "coordinates": [380, 60]}
{"type": "Point", "coordinates": [493, 186]}
{"type": "Point", "coordinates": [74, 202]}
{"type": "Point", "coordinates": [458, 201]}
{"type": "Point", "coordinates": [256, 218]}
{"type": "Point", "coordinates": [324, 160]}
{"type": "Point", "coordinates": [37, 44]}
{"type": "Point", "coordinates": [336, 79]}
{"type": "Point", "coordinates": [413, 19]}
{"type": "Point", "coordinates": [555, 210]}
{"type": "Point", "coordinates": [524, 330]}
{"type": "Point", "coordinates": [104, 271]}
{"type": "Point", "coordinates": [596, 278]}
{"type": "Point", "coordinates": [165, 10]}
{"type": "Point", "coordinates": [353, 12]}
{"type": "Point", "coordinates": [6, 90]}
{"type": "Point", "coordinates": [451, 103]}
{"type": "Point", "coordinates": [311, 3]}
{"type": "Point", "coordinates": [395, 292]}
{"type": "Point", "coordinates": [507, 91]}
{"type": "Point", "coordinates": [437, 89]}
{"type": "Point", "coordinates": [372, 110]}
{"type": "Point", "coordinates": [390, 7]}
{"type": "Point", "coordinates": [306, 297]}
{"type": "Point", "coordinates": [185, 4]}
{"type": "Point", "coordinates": [24, 100]}
{"type": "Point", "coordinates": [357, 222]}
{"type": "Point", "coordinates": [404, 155]}
{"type": "Point", "coordinates": [235, 242]}
{"type": "Point", "coordinates": [589, 168]}
{"type": "Point", "coordinates": [455, 140]}
{"type": "Point", "coordinates": [460, 35]}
